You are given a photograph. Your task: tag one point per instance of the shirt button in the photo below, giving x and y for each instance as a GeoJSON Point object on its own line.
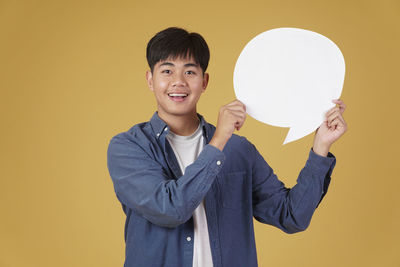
{"type": "Point", "coordinates": [218, 162]}
{"type": "Point", "coordinates": [158, 134]}
{"type": "Point", "coordinates": [166, 129]}
{"type": "Point", "coordinates": [188, 238]}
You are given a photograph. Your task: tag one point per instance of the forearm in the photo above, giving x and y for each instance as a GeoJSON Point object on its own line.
{"type": "Point", "coordinates": [312, 185]}
{"type": "Point", "coordinates": [320, 148]}
{"type": "Point", "coordinates": [143, 185]}
{"type": "Point", "coordinates": [290, 209]}
{"type": "Point", "coordinates": [219, 141]}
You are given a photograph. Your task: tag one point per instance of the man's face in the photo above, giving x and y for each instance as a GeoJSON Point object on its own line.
{"type": "Point", "coordinates": [177, 85]}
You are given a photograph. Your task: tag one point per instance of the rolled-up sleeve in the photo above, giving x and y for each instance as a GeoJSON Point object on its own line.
{"type": "Point", "coordinates": [142, 184]}
{"type": "Point", "coordinates": [290, 209]}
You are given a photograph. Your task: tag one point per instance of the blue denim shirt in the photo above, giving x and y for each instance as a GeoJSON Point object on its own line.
{"type": "Point", "coordinates": [236, 184]}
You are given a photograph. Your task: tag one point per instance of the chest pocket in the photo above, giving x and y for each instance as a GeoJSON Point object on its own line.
{"type": "Point", "coordinates": [233, 189]}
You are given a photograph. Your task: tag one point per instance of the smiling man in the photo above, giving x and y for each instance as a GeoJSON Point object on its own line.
{"type": "Point", "coordinates": [190, 190]}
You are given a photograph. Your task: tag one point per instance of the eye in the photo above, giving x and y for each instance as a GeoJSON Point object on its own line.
{"type": "Point", "coordinates": [166, 71]}
{"type": "Point", "coordinates": [190, 72]}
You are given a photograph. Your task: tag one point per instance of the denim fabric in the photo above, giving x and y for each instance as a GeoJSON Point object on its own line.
{"type": "Point", "coordinates": [237, 185]}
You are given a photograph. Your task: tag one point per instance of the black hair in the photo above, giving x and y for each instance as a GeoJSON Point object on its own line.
{"type": "Point", "coordinates": [176, 42]}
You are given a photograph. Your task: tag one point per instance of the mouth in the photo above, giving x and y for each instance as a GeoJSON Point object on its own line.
{"type": "Point", "coordinates": [177, 97]}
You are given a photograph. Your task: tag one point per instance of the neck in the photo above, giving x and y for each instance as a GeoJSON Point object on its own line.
{"type": "Point", "coordinates": [181, 124]}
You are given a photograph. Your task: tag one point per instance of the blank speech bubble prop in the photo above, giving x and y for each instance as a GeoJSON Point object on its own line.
{"type": "Point", "coordinates": [288, 77]}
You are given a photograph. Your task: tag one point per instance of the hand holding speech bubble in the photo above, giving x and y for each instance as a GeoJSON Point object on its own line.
{"type": "Point", "coordinates": [288, 77]}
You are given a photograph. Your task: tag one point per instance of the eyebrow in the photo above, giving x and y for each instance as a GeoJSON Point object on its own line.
{"type": "Point", "coordinates": [186, 65]}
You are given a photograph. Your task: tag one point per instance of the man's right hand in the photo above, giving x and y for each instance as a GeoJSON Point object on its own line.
{"type": "Point", "coordinates": [231, 117]}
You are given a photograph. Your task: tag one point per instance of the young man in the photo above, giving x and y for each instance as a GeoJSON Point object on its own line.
{"type": "Point", "coordinates": [190, 190]}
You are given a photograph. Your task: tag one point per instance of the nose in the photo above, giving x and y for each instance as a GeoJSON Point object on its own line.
{"type": "Point", "coordinates": [179, 80]}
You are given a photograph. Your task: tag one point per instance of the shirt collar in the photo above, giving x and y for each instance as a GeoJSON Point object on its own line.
{"type": "Point", "coordinates": [160, 127]}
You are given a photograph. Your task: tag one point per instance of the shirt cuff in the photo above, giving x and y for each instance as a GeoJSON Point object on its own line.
{"type": "Point", "coordinates": [213, 158]}
{"type": "Point", "coordinates": [321, 163]}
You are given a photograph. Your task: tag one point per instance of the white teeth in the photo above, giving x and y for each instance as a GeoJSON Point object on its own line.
{"type": "Point", "coordinates": [178, 94]}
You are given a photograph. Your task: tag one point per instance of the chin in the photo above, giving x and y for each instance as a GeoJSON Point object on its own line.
{"type": "Point", "coordinates": [179, 112]}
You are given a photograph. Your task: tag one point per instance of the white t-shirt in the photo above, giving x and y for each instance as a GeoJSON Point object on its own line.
{"type": "Point", "coordinates": [187, 149]}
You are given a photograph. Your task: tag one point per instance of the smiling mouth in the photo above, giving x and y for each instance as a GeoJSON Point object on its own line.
{"type": "Point", "coordinates": [177, 97]}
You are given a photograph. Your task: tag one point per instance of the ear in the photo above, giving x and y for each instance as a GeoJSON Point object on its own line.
{"type": "Point", "coordinates": [205, 81]}
{"type": "Point", "coordinates": [149, 78]}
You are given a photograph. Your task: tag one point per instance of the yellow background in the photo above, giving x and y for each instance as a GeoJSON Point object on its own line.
{"type": "Point", "coordinates": [72, 76]}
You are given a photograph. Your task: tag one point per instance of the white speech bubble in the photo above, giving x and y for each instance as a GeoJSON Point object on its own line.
{"type": "Point", "coordinates": [288, 77]}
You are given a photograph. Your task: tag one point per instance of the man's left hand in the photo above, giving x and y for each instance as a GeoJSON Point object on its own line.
{"type": "Point", "coordinates": [331, 129]}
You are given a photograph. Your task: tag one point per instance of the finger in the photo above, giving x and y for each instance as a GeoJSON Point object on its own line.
{"type": "Point", "coordinates": [236, 107]}
{"type": "Point", "coordinates": [342, 105]}
{"type": "Point", "coordinates": [333, 114]}
{"type": "Point", "coordinates": [331, 111]}
{"type": "Point", "coordinates": [235, 102]}
{"type": "Point", "coordinates": [239, 126]}
{"type": "Point", "coordinates": [343, 122]}
{"type": "Point", "coordinates": [239, 118]}
{"type": "Point", "coordinates": [339, 123]}
{"type": "Point", "coordinates": [337, 101]}
{"type": "Point", "coordinates": [335, 123]}
{"type": "Point", "coordinates": [233, 109]}
{"type": "Point", "coordinates": [341, 119]}
{"type": "Point", "coordinates": [238, 115]}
